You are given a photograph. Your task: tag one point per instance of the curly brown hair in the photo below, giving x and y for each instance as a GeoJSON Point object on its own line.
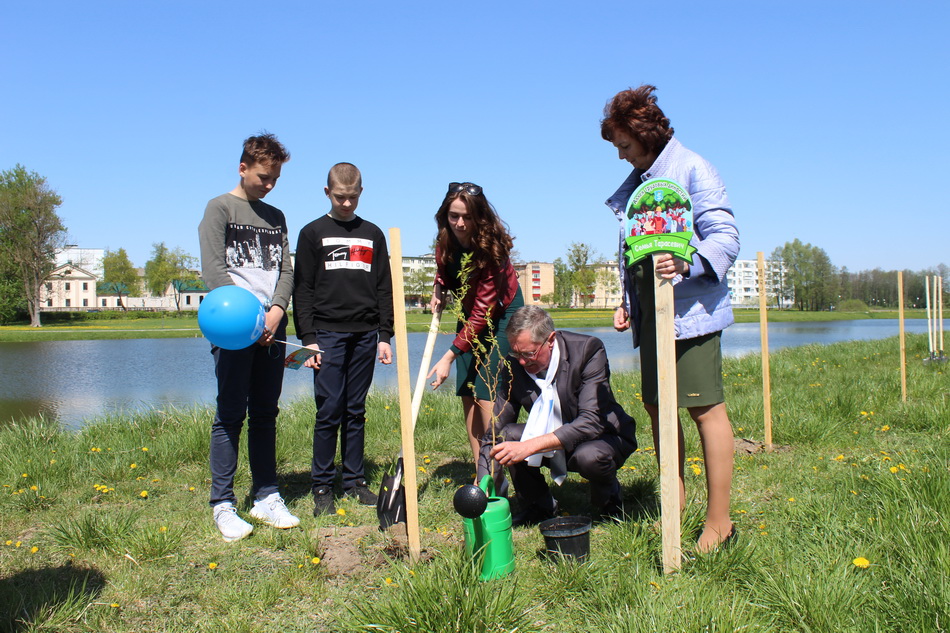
{"type": "Point", "coordinates": [635, 113]}
{"type": "Point", "coordinates": [491, 242]}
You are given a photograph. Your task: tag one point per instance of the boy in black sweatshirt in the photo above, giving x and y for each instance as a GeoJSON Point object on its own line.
{"type": "Point", "coordinates": [343, 305]}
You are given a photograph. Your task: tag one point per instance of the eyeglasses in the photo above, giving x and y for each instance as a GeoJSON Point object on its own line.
{"type": "Point", "coordinates": [468, 187]}
{"type": "Point", "coordinates": [525, 355]}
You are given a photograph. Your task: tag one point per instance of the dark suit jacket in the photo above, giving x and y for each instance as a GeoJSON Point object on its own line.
{"type": "Point", "coordinates": [588, 407]}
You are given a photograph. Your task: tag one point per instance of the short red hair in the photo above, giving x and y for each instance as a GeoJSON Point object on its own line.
{"type": "Point", "coordinates": [635, 113]}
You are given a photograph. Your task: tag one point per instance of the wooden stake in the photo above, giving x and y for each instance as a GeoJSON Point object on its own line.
{"type": "Point", "coordinates": [930, 321]}
{"type": "Point", "coordinates": [405, 396]}
{"type": "Point", "coordinates": [764, 337]}
{"type": "Point", "coordinates": [940, 311]}
{"type": "Point", "coordinates": [669, 422]}
{"type": "Point", "coordinates": [900, 320]}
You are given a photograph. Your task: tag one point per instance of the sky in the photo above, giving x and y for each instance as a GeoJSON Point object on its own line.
{"type": "Point", "coordinates": [826, 120]}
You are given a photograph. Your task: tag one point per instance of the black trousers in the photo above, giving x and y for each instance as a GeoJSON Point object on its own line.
{"type": "Point", "coordinates": [340, 387]}
{"type": "Point", "coordinates": [597, 461]}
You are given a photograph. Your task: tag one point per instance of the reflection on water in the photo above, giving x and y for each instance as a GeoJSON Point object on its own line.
{"type": "Point", "coordinates": [72, 381]}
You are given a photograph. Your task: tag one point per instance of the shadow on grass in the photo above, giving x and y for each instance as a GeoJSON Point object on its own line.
{"type": "Point", "coordinates": [36, 598]}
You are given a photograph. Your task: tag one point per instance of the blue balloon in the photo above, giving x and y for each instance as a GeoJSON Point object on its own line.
{"type": "Point", "coordinates": [231, 317]}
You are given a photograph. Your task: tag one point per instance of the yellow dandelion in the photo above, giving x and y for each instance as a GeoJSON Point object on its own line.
{"type": "Point", "coordinates": [426, 460]}
{"type": "Point", "coordinates": [791, 499]}
{"type": "Point", "coordinates": [854, 492]}
{"type": "Point", "coordinates": [894, 469]}
{"type": "Point", "coordinates": [839, 458]}
{"type": "Point", "coordinates": [114, 605]}
{"type": "Point", "coordinates": [422, 469]}
{"type": "Point", "coordinates": [145, 449]}
{"type": "Point", "coordinates": [163, 529]}
{"type": "Point", "coordinates": [654, 584]}
{"type": "Point", "coordinates": [341, 512]}
{"type": "Point", "coordinates": [24, 475]}
{"type": "Point", "coordinates": [144, 494]}
{"type": "Point", "coordinates": [389, 581]}
{"type": "Point", "coordinates": [191, 488]}
{"type": "Point", "coordinates": [861, 562]}
{"type": "Point", "coordinates": [212, 565]}
{"type": "Point", "coordinates": [740, 429]}
{"type": "Point", "coordinates": [18, 544]}
{"type": "Point", "coordinates": [34, 488]}
{"type": "Point", "coordinates": [52, 461]}
{"type": "Point", "coordinates": [34, 549]}
{"type": "Point", "coordinates": [315, 560]}
{"type": "Point", "coordinates": [885, 428]}
{"type": "Point", "coordinates": [446, 481]}
{"type": "Point", "coordinates": [8, 543]}
{"type": "Point", "coordinates": [133, 465]}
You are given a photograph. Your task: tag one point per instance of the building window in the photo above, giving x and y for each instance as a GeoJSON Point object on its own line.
{"type": "Point", "coordinates": [67, 303]}
{"type": "Point", "coordinates": [49, 303]}
{"type": "Point", "coordinates": [85, 303]}
{"type": "Point", "coordinates": [188, 300]}
{"type": "Point", "coordinates": [103, 303]}
{"type": "Point", "coordinates": [67, 285]}
{"type": "Point", "coordinates": [85, 286]}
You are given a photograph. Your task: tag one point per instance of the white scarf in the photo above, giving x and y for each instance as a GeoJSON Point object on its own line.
{"type": "Point", "coordinates": [545, 417]}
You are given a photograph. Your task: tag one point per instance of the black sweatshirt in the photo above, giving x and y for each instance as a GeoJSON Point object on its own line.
{"type": "Point", "coordinates": [342, 279]}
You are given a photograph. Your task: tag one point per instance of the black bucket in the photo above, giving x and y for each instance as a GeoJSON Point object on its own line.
{"type": "Point", "coordinates": [567, 536]}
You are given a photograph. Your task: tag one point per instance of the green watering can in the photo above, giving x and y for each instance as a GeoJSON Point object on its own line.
{"type": "Point", "coordinates": [486, 524]}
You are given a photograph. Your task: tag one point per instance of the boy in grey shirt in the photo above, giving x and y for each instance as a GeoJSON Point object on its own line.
{"type": "Point", "coordinates": [244, 243]}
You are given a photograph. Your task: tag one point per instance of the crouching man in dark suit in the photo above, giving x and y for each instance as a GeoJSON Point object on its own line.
{"type": "Point", "coordinates": [574, 422]}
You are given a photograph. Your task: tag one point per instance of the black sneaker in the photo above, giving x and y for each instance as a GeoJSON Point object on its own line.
{"type": "Point", "coordinates": [532, 515]}
{"type": "Point", "coordinates": [362, 493]}
{"type": "Point", "coordinates": [323, 501]}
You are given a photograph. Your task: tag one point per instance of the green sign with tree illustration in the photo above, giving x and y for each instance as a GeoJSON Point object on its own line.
{"type": "Point", "coordinates": [659, 220]}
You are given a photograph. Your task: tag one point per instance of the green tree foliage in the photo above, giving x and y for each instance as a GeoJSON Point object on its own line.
{"type": "Point", "coordinates": [418, 284]}
{"type": "Point", "coordinates": [563, 289]}
{"type": "Point", "coordinates": [30, 232]}
{"type": "Point", "coordinates": [810, 279]}
{"type": "Point", "coordinates": [119, 275]}
{"type": "Point", "coordinates": [170, 269]}
{"type": "Point", "coordinates": [581, 262]}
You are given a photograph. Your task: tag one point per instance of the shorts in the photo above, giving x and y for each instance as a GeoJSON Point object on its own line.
{"type": "Point", "coordinates": [698, 369]}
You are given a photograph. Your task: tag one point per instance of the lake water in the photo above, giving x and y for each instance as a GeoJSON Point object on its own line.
{"type": "Point", "coordinates": [74, 381]}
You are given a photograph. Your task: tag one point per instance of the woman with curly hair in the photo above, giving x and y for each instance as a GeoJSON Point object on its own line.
{"type": "Point", "coordinates": [642, 134]}
{"type": "Point", "coordinates": [472, 255]}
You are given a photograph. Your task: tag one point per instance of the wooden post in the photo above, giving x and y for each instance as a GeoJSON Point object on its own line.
{"type": "Point", "coordinates": [764, 337]}
{"type": "Point", "coordinates": [900, 320]}
{"type": "Point", "coordinates": [930, 320]}
{"type": "Point", "coordinates": [940, 313]}
{"type": "Point", "coordinates": [405, 396]}
{"type": "Point", "coordinates": [669, 423]}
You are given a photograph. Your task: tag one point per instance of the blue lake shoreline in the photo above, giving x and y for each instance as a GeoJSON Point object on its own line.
{"type": "Point", "coordinates": [75, 381]}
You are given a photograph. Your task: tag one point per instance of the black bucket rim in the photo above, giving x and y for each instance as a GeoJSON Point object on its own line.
{"type": "Point", "coordinates": [579, 525]}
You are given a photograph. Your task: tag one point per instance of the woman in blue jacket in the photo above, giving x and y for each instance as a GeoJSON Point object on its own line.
{"type": "Point", "coordinates": [642, 134]}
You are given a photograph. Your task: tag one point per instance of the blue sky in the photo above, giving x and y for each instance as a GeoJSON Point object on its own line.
{"type": "Point", "coordinates": [826, 120]}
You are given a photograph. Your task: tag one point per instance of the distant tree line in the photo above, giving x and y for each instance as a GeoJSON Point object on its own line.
{"type": "Point", "coordinates": [812, 282]}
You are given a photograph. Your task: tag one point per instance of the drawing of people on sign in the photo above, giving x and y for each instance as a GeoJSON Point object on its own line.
{"type": "Point", "coordinates": [659, 215]}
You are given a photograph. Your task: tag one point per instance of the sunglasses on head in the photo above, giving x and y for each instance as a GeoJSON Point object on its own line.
{"type": "Point", "coordinates": [468, 187]}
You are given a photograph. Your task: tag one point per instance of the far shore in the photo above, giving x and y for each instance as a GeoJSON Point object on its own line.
{"type": "Point", "coordinates": [132, 325]}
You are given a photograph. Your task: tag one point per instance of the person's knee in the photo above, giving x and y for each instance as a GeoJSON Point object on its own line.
{"type": "Point", "coordinates": [593, 462]}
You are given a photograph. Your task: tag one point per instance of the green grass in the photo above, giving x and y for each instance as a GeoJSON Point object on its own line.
{"type": "Point", "coordinates": [857, 473]}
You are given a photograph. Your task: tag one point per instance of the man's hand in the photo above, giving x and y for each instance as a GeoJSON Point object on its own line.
{"type": "Point", "coordinates": [508, 453]}
{"type": "Point", "coordinates": [384, 353]}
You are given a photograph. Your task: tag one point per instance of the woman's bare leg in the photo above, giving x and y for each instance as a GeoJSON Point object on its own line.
{"type": "Point", "coordinates": [715, 433]}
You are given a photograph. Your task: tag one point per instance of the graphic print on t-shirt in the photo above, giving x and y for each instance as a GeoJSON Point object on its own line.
{"type": "Point", "coordinates": [348, 252]}
{"type": "Point", "coordinates": [253, 247]}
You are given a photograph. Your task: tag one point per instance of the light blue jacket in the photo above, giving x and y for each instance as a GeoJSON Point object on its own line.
{"type": "Point", "coordinates": [701, 301]}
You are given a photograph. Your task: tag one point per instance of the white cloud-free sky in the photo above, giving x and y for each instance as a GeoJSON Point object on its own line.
{"type": "Point", "coordinates": [826, 120]}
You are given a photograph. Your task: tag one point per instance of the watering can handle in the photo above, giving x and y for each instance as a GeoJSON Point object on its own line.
{"type": "Point", "coordinates": [487, 484]}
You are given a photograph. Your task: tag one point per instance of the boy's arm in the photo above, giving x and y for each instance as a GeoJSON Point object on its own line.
{"type": "Point", "coordinates": [211, 235]}
{"type": "Point", "coordinates": [304, 290]}
{"type": "Point", "coordinates": [384, 291]}
{"type": "Point", "coordinates": [285, 282]}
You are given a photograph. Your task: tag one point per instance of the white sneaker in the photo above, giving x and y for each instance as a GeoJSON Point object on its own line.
{"type": "Point", "coordinates": [272, 511]}
{"type": "Point", "coordinates": [232, 527]}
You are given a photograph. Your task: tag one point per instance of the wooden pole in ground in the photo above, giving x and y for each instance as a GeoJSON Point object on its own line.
{"type": "Point", "coordinates": [405, 396]}
{"type": "Point", "coordinates": [940, 312]}
{"type": "Point", "coordinates": [930, 321]}
{"type": "Point", "coordinates": [669, 423]}
{"type": "Point", "coordinates": [900, 320]}
{"type": "Point", "coordinates": [764, 336]}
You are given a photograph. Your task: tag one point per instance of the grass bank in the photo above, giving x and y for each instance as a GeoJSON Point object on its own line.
{"type": "Point", "coordinates": [843, 529]}
{"type": "Point", "coordinates": [185, 325]}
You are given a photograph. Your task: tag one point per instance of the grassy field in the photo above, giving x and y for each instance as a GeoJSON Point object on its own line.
{"type": "Point", "coordinates": [185, 325]}
{"type": "Point", "coordinates": [843, 528]}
